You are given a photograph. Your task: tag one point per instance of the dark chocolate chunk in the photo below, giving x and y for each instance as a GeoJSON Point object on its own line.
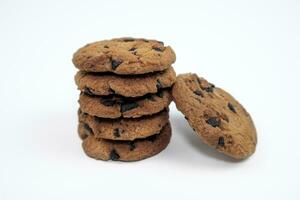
{"type": "Point", "coordinates": [152, 138]}
{"type": "Point", "coordinates": [132, 49]}
{"type": "Point", "coordinates": [213, 121]}
{"type": "Point", "coordinates": [114, 155]}
{"type": "Point", "coordinates": [105, 46]}
{"type": "Point", "coordinates": [231, 107]}
{"type": "Point", "coordinates": [160, 94]}
{"type": "Point", "coordinates": [88, 130]}
{"type": "Point", "coordinates": [129, 105]}
{"type": "Point", "coordinates": [221, 142]}
{"type": "Point", "coordinates": [157, 49]}
{"type": "Point", "coordinates": [111, 91]}
{"type": "Point", "coordinates": [198, 92]}
{"type": "Point", "coordinates": [117, 132]}
{"type": "Point", "coordinates": [150, 97]}
{"type": "Point", "coordinates": [132, 146]}
{"type": "Point", "coordinates": [158, 85]}
{"type": "Point", "coordinates": [128, 39]}
{"type": "Point", "coordinates": [88, 91]}
{"type": "Point", "coordinates": [108, 102]}
{"type": "Point", "coordinates": [115, 64]}
{"type": "Point", "coordinates": [186, 118]}
{"type": "Point", "coordinates": [209, 89]}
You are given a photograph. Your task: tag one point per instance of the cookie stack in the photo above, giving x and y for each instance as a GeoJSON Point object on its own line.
{"type": "Point", "coordinates": [125, 93]}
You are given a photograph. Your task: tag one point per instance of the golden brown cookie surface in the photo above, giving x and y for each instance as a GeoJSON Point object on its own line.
{"type": "Point", "coordinates": [122, 128]}
{"type": "Point", "coordinates": [128, 86]}
{"type": "Point", "coordinates": [124, 56]}
{"type": "Point", "coordinates": [102, 149]}
{"type": "Point", "coordinates": [116, 106]}
{"type": "Point", "coordinates": [219, 119]}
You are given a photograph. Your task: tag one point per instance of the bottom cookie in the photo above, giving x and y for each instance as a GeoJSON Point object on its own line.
{"type": "Point", "coordinates": [102, 149]}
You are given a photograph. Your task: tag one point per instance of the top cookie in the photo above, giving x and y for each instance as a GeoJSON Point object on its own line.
{"type": "Point", "coordinates": [124, 56]}
{"type": "Point", "coordinates": [215, 115]}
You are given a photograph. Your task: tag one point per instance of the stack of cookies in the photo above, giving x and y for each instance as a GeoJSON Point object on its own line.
{"type": "Point", "coordinates": [125, 93]}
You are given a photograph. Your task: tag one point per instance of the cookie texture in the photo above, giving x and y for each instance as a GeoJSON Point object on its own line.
{"type": "Point", "coordinates": [122, 128]}
{"type": "Point", "coordinates": [219, 119]}
{"type": "Point", "coordinates": [129, 86]}
{"type": "Point", "coordinates": [124, 56]}
{"type": "Point", "coordinates": [117, 106]}
{"type": "Point", "coordinates": [138, 149]}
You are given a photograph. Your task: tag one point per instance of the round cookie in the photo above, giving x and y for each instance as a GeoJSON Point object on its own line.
{"type": "Point", "coordinates": [215, 115]}
{"type": "Point", "coordinates": [116, 106]}
{"type": "Point", "coordinates": [102, 149]}
{"type": "Point", "coordinates": [129, 86]}
{"type": "Point", "coordinates": [124, 56]}
{"type": "Point", "coordinates": [122, 128]}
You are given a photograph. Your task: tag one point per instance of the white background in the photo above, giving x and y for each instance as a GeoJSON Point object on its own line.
{"type": "Point", "coordinates": [250, 48]}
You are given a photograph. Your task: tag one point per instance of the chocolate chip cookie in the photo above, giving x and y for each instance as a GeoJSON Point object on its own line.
{"type": "Point", "coordinates": [117, 106]}
{"type": "Point", "coordinates": [219, 119]}
{"type": "Point", "coordinates": [129, 86]}
{"type": "Point", "coordinates": [124, 56]}
{"type": "Point", "coordinates": [126, 150]}
{"type": "Point", "coordinates": [122, 128]}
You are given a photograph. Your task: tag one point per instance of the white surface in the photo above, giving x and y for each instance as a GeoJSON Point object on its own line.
{"type": "Point", "coordinates": [250, 48]}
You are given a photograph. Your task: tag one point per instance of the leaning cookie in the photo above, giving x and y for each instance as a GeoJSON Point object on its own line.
{"type": "Point", "coordinates": [129, 86]}
{"type": "Point", "coordinates": [124, 56]}
{"type": "Point", "coordinates": [117, 106]}
{"type": "Point", "coordinates": [122, 128]}
{"type": "Point", "coordinates": [219, 119]}
{"type": "Point", "coordinates": [102, 149]}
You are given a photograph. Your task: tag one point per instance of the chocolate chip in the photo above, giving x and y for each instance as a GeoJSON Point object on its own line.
{"type": "Point", "coordinates": [157, 49]}
{"type": "Point", "coordinates": [231, 107]}
{"type": "Point", "coordinates": [132, 49]}
{"type": "Point", "coordinates": [198, 92]}
{"type": "Point", "coordinates": [160, 42]}
{"type": "Point", "coordinates": [150, 97]}
{"type": "Point", "coordinates": [88, 91]}
{"type": "Point", "coordinates": [125, 106]}
{"type": "Point", "coordinates": [160, 94]}
{"type": "Point", "coordinates": [158, 85]}
{"type": "Point", "coordinates": [88, 130]}
{"type": "Point", "coordinates": [221, 141]}
{"type": "Point", "coordinates": [115, 63]}
{"type": "Point", "coordinates": [105, 46]}
{"type": "Point", "coordinates": [108, 102]}
{"type": "Point", "coordinates": [213, 121]}
{"type": "Point", "coordinates": [132, 146]}
{"type": "Point", "coordinates": [117, 132]}
{"type": "Point", "coordinates": [209, 89]}
{"type": "Point", "coordinates": [186, 118]}
{"type": "Point", "coordinates": [152, 138]}
{"type": "Point", "coordinates": [114, 155]}
{"type": "Point", "coordinates": [128, 39]}
{"type": "Point", "coordinates": [111, 91]}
